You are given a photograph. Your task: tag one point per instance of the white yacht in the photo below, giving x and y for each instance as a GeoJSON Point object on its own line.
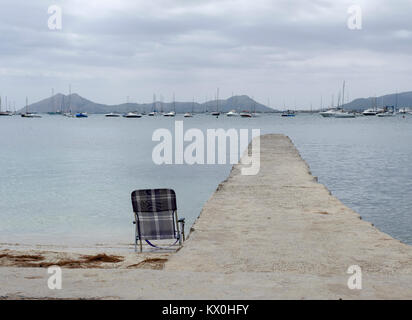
{"type": "Point", "coordinates": [170, 114]}
{"type": "Point", "coordinates": [188, 115]}
{"type": "Point", "coordinates": [112, 115]}
{"type": "Point", "coordinates": [370, 112]}
{"type": "Point", "coordinates": [328, 114]}
{"type": "Point", "coordinates": [232, 113]}
{"type": "Point", "coordinates": [132, 115]}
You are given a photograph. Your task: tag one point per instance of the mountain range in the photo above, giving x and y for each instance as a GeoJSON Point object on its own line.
{"type": "Point", "coordinates": [399, 100]}
{"type": "Point", "coordinates": [76, 103]}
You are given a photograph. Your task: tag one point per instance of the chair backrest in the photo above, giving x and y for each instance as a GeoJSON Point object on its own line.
{"type": "Point", "coordinates": [155, 213]}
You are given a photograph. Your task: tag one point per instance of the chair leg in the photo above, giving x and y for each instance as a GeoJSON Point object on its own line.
{"type": "Point", "coordinates": [141, 246]}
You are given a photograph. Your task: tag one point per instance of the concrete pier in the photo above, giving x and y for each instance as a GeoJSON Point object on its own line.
{"type": "Point", "coordinates": [277, 235]}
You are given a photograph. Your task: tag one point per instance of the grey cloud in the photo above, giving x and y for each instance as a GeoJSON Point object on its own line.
{"type": "Point", "coordinates": [276, 49]}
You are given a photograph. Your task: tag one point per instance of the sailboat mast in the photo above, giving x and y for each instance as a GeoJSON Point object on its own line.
{"type": "Point", "coordinates": [343, 94]}
{"type": "Point", "coordinates": [70, 98]}
{"type": "Point", "coordinates": [217, 100]}
{"type": "Point", "coordinates": [53, 108]}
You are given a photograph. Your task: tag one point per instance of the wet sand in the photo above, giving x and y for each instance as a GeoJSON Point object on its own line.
{"type": "Point", "coordinates": [277, 235]}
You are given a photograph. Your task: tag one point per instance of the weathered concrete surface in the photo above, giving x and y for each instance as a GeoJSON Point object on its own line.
{"type": "Point", "coordinates": [277, 235]}
{"type": "Point", "coordinates": [283, 220]}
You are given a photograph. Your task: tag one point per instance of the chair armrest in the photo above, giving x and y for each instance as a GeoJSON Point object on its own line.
{"type": "Point", "coordinates": [181, 220]}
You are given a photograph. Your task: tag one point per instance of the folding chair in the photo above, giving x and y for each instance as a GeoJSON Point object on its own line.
{"type": "Point", "coordinates": [156, 218]}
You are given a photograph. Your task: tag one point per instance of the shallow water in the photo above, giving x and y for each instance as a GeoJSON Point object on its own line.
{"type": "Point", "coordinates": [68, 181]}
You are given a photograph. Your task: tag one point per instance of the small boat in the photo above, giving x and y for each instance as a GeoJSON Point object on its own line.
{"type": "Point", "coordinates": [170, 114]}
{"type": "Point", "coordinates": [370, 112]}
{"type": "Point", "coordinates": [246, 114]}
{"type": "Point", "coordinates": [217, 112]}
{"type": "Point", "coordinates": [69, 115]}
{"type": "Point", "coordinates": [27, 114]}
{"type": "Point", "coordinates": [82, 115]}
{"type": "Point", "coordinates": [112, 115]}
{"type": "Point", "coordinates": [152, 114]}
{"type": "Point", "coordinates": [190, 114]}
{"type": "Point", "coordinates": [288, 113]}
{"type": "Point", "coordinates": [328, 114]}
{"type": "Point", "coordinates": [232, 113]}
{"type": "Point", "coordinates": [4, 113]}
{"type": "Point", "coordinates": [30, 115]}
{"type": "Point", "coordinates": [132, 115]}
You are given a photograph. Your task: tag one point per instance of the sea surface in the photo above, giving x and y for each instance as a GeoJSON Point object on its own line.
{"type": "Point", "coordinates": [68, 181]}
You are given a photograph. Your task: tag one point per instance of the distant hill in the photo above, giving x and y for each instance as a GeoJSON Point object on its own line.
{"type": "Point", "coordinates": [404, 100]}
{"type": "Point", "coordinates": [76, 103]}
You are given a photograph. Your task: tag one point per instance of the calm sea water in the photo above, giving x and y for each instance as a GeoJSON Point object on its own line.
{"type": "Point", "coordinates": [68, 181]}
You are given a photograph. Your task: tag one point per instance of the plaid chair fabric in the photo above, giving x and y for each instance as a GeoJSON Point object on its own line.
{"type": "Point", "coordinates": [155, 214]}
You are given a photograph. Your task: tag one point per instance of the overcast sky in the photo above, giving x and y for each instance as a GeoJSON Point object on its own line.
{"type": "Point", "coordinates": [285, 51]}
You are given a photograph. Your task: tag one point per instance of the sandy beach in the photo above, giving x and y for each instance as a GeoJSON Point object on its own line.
{"type": "Point", "coordinates": [276, 235]}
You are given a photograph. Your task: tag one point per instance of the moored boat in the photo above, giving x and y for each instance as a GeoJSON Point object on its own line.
{"type": "Point", "coordinates": [232, 113]}
{"type": "Point", "coordinates": [370, 112]}
{"type": "Point", "coordinates": [132, 115]}
{"type": "Point", "coordinates": [112, 115]}
{"type": "Point", "coordinates": [328, 114]}
{"type": "Point", "coordinates": [245, 114]}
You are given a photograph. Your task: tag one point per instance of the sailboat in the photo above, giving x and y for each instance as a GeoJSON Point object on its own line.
{"type": "Point", "coordinates": [69, 113]}
{"type": "Point", "coordinates": [172, 113]}
{"type": "Point", "coordinates": [153, 112]}
{"type": "Point", "coordinates": [28, 114]}
{"type": "Point", "coordinates": [54, 112]}
{"type": "Point", "coordinates": [216, 113]}
{"type": "Point", "coordinates": [5, 113]}
{"type": "Point", "coordinates": [341, 113]}
{"type": "Point", "coordinates": [190, 114]}
{"type": "Point", "coordinates": [288, 113]}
